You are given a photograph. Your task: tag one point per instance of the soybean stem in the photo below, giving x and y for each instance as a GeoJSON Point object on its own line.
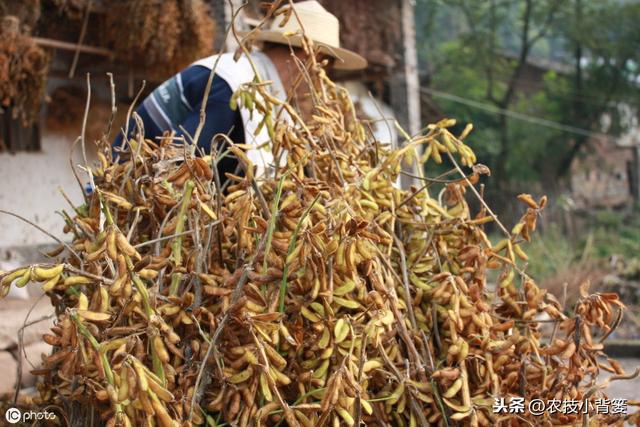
{"type": "Point", "coordinates": [292, 246]}
{"type": "Point", "coordinates": [176, 246]}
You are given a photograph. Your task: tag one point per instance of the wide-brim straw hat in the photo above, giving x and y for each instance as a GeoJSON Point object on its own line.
{"type": "Point", "coordinates": [317, 24]}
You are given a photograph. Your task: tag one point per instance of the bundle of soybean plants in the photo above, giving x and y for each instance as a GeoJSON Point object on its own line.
{"type": "Point", "coordinates": [317, 293]}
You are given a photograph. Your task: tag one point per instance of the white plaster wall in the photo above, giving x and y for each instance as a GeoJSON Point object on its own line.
{"type": "Point", "coordinates": [29, 185]}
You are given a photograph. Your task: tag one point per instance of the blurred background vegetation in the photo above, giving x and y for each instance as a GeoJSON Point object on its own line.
{"type": "Point", "coordinates": [552, 88]}
{"type": "Point", "coordinates": [480, 51]}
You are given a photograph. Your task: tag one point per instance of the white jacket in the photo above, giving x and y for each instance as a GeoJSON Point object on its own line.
{"type": "Point", "coordinates": [237, 73]}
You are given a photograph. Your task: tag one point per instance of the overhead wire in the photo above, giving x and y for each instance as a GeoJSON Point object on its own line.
{"type": "Point", "coordinates": [564, 95]}
{"type": "Point", "coordinates": [513, 114]}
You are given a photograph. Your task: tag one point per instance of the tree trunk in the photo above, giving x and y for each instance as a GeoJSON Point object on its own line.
{"type": "Point", "coordinates": [577, 112]}
{"type": "Point", "coordinates": [503, 154]}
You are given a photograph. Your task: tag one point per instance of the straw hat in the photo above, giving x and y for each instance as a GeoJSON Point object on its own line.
{"type": "Point", "coordinates": [318, 25]}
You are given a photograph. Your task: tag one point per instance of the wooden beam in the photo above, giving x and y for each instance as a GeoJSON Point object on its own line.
{"type": "Point", "coordinates": [404, 83]}
{"type": "Point", "coordinates": [59, 44]}
{"type": "Point", "coordinates": [411, 66]}
{"type": "Point", "coordinates": [405, 86]}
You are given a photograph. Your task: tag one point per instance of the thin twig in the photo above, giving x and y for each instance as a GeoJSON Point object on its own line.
{"type": "Point", "coordinates": [81, 272]}
{"type": "Point", "coordinates": [130, 111]}
{"type": "Point", "coordinates": [161, 239]}
{"type": "Point", "coordinates": [405, 281]}
{"type": "Point", "coordinates": [83, 32]}
{"type": "Point", "coordinates": [478, 196]}
{"type": "Point", "coordinates": [114, 109]}
{"type": "Point", "coordinates": [207, 89]}
{"type": "Point", "coordinates": [83, 133]}
{"type": "Point", "coordinates": [21, 349]}
{"type": "Point", "coordinates": [73, 169]}
{"type": "Point", "coordinates": [37, 227]}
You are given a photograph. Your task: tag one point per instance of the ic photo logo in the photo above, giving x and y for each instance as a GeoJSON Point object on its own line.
{"type": "Point", "coordinates": [13, 415]}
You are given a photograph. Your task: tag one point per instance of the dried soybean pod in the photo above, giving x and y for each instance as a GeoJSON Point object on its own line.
{"type": "Point", "coordinates": [51, 283]}
{"type": "Point", "coordinates": [160, 391]}
{"type": "Point", "coordinates": [123, 388]}
{"type": "Point", "coordinates": [160, 348]}
{"type": "Point", "coordinates": [162, 415]}
{"type": "Point", "coordinates": [141, 375]}
{"type": "Point", "coordinates": [124, 245]}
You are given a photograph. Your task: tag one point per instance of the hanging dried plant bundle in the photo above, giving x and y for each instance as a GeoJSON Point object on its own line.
{"type": "Point", "coordinates": [74, 10]}
{"type": "Point", "coordinates": [27, 11]}
{"type": "Point", "coordinates": [320, 294]}
{"type": "Point", "coordinates": [23, 71]}
{"type": "Point", "coordinates": [169, 35]}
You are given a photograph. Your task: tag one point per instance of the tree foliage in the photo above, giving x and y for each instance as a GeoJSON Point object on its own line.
{"type": "Point", "coordinates": [572, 62]}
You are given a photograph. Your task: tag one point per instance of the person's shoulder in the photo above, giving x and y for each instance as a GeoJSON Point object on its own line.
{"type": "Point", "coordinates": [194, 79]}
{"type": "Point", "coordinates": [230, 73]}
{"type": "Point", "coordinates": [194, 72]}
{"type": "Point", "coordinates": [210, 61]}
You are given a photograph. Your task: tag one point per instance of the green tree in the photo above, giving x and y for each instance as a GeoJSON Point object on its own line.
{"type": "Point", "coordinates": [604, 37]}
{"type": "Point", "coordinates": [479, 51]}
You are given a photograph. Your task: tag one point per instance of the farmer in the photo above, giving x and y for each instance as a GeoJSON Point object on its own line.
{"type": "Point", "coordinates": [175, 105]}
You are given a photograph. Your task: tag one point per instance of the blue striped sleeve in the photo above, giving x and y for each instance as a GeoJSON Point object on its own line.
{"type": "Point", "coordinates": [176, 104]}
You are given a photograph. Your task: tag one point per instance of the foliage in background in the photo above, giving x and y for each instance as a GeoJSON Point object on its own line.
{"type": "Point", "coordinates": [480, 51]}
{"type": "Point", "coordinates": [612, 236]}
{"type": "Point", "coordinates": [551, 254]}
